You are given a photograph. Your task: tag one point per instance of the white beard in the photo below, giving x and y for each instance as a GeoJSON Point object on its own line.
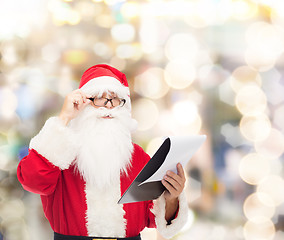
{"type": "Point", "coordinates": [105, 144]}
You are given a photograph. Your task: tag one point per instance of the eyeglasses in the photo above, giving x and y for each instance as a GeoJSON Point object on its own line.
{"type": "Point", "coordinates": [102, 102]}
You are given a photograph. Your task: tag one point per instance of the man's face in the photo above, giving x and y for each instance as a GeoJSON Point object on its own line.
{"type": "Point", "coordinates": [105, 96]}
{"type": "Point", "coordinates": [108, 101]}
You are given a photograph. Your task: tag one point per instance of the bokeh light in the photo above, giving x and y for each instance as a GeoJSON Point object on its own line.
{"type": "Point", "coordinates": [104, 21]}
{"type": "Point", "coordinates": [265, 44]}
{"type": "Point", "coordinates": [255, 207]}
{"type": "Point", "coordinates": [253, 168]}
{"type": "Point", "coordinates": [179, 74]}
{"type": "Point", "coordinates": [24, 13]}
{"type": "Point", "coordinates": [261, 60]}
{"type": "Point", "coordinates": [279, 117]}
{"type": "Point", "coordinates": [251, 100]}
{"type": "Point", "coordinates": [179, 121]}
{"type": "Point", "coordinates": [266, 37]}
{"type": "Point", "coordinates": [182, 46]}
{"type": "Point", "coordinates": [146, 113]}
{"type": "Point", "coordinates": [5, 156]}
{"type": "Point", "coordinates": [129, 51]}
{"type": "Point", "coordinates": [153, 34]}
{"type": "Point", "coordinates": [103, 50]}
{"type": "Point", "coordinates": [244, 76]}
{"type": "Point", "coordinates": [277, 16]}
{"type": "Point", "coordinates": [123, 32]}
{"type": "Point", "coordinates": [243, 10]}
{"type": "Point", "coordinates": [131, 9]}
{"type": "Point", "coordinates": [185, 112]}
{"type": "Point", "coordinates": [273, 186]}
{"type": "Point", "coordinates": [151, 83]}
{"type": "Point", "coordinates": [186, 119]}
{"type": "Point", "coordinates": [262, 229]}
{"type": "Point", "coordinates": [272, 146]}
{"type": "Point", "coordinates": [76, 57]}
{"type": "Point", "coordinates": [63, 14]}
{"type": "Point", "coordinates": [50, 53]}
{"type": "Point", "coordinates": [255, 128]}
{"type": "Point", "coordinates": [273, 86]}
{"type": "Point", "coordinates": [8, 103]}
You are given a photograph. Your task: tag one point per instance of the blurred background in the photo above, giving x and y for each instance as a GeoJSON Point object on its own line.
{"type": "Point", "coordinates": [211, 67]}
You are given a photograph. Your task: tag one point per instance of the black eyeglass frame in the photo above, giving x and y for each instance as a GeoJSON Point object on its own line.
{"type": "Point", "coordinates": [122, 101]}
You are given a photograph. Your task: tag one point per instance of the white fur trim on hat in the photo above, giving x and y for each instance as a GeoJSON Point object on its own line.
{"type": "Point", "coordinates": [159, 210]}
{"type": "Point", "coordinates": [56, 143]}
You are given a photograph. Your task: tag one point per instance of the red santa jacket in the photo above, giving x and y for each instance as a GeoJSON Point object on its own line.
{"type": "Point", "coordinates": [73, 207]}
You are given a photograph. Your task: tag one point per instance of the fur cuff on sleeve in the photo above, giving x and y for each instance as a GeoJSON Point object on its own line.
{"type": "Point", "coordinates": [159, 209]}
{"type": "Point", "coordinates": [56, 143]}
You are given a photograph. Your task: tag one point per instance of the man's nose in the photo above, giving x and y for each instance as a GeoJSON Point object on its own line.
{"type": "Point", "coordinates": [108, 105]}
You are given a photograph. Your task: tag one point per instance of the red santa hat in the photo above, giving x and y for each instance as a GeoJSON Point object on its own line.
{"type": "Point", "coordinates": [102, 78]}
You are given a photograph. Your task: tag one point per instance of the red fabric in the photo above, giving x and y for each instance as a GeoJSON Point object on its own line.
{"type": "Point", "coordinates": [63, 196]}
{"type": "Point", "coordinates": [62, 193]}
{"type": "Point", "coordinates": [134, 211]}
{"type": "Point", "coordinates": [100, 70]}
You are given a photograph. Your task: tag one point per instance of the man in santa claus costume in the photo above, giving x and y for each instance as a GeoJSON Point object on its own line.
{"type": "Point", "coordinates": [82, 161]}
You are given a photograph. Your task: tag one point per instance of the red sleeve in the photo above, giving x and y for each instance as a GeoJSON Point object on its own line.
{"type": "Point", "coordinates": [37, 174]}
{"type": "Point", "coordinates": [151, 217]}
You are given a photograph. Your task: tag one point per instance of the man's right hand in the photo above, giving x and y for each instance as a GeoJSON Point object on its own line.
{"type": "Point", "coordinates": [74, 103]}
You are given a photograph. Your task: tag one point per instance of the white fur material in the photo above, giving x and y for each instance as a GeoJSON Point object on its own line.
{"type": "Point", "coordinates": [99, 85]}
{"type": "Point", "coordinates": [104, 216]}
{"type": "Point", "coordinates": [56, 143]}
{"type": "Point", "coordinates": [105, 152]}
{"type": "Point", "coordinates": [106, 145]}
{"type": "Point", "coordinates": [159, 209]}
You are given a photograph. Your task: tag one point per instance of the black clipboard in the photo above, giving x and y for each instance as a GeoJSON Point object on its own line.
{"type": "Point", "coordinates": [152, 190]}
{"type": "Point", "coordinates": [137, 191]}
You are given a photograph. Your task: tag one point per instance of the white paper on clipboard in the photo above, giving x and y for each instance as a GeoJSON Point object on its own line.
{"type": "Point", "coordinates": [181, 150]}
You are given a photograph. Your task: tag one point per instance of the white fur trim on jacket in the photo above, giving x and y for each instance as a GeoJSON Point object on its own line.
{"type": "Point", "coordinates": [105, 218]}
{"type": "Point", "coordinates": [159, 209]}
{"type": "Point", "coordinates": [56, 143]}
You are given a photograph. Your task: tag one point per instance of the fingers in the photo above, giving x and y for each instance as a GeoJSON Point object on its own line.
{"type": "Point", "coordinates": [175, 180]}
{"type": "Point", "coordinates": [77, 100]}
{"type": "Point", "coordinates": [171, 190]}
{"type": "Point", "coordinates": [78, 97]}
{"type": "Point", "coordinates": [174, 183]}
{"type": "Point", "coordinates": [85, 97]}
{"type": "Point", "coordinates": [180, 171]}
{"type": "Point", "coordinates": [73, 104]}
{"type": "Point", "coordinates": [179, 177]}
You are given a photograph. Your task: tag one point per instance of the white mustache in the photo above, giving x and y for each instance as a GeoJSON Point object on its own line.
{"type": "Point", "coordinates": [105, 112]}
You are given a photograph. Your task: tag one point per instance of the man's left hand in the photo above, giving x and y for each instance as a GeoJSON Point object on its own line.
{"type": "Point", "coordinates": [174, 183]}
